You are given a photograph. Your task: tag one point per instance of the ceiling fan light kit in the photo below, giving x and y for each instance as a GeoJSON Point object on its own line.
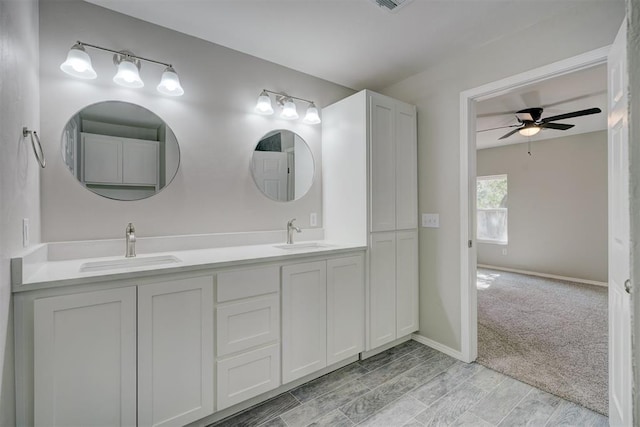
{"type": "Point", "coordinates": [530, 127]}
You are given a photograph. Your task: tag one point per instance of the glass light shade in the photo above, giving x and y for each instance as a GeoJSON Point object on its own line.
{"type": "Point", "coordinates": [263, 106]}
{"type": "Point", "coordinates": [312, 116]}
{"type": "Point", "coordinates": [78, 63]}
{"type": "Point", "coordinates": [289, 111]}
{"type": "Point", "coordinates": [128, 75]}
{"type": "Point", "coordinates": [529, 131]}
{"type": "Point", "coordinates": [170, 83]}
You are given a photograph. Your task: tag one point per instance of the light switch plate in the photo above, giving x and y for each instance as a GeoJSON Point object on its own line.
{"type": "Point", "coordinates": [313, 219]}
{"type": "Point", "coordinates": [431, 220]}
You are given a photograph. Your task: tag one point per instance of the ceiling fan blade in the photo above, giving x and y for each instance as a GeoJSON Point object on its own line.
{"type": "Point", "coordinates": [501, 127]}
{"type": "Point", "coordinates": [557, 126]}
{"type": "Point", "coordinates": [509, 134]}
{"type": "Point", "coordinates": [573, 114]}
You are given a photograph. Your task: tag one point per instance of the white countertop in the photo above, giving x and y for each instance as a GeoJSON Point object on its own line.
{"type": "Point", "coordinates": [48, 273]}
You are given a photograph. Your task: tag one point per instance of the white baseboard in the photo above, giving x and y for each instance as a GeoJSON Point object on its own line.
{"type": "Point", "coordinates": [437, 346]}
{"type": "Point", "coordinates": [548, 276]}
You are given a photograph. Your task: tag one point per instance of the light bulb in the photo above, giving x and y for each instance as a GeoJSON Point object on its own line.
{"type": "Point", "coordinates": [529, 131]}
{"type": "Point", "coordinates": [128, 75]}
{"type": "Point", "coordinates": [78, 63]}
{"type": "Point", "coordinates": [289, 110]}
{"type": "Point", "coordinates": [263, 106]}
{"type": "Point", "coordinates": [312, 116]}
{"type": "Point", "coordinates": [170, 83]}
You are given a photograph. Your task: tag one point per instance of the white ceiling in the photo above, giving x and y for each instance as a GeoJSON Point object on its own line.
{"type": "Point", "coordinates": [572, 92]}
{"type": "Point", "coordinates": [354, 43]}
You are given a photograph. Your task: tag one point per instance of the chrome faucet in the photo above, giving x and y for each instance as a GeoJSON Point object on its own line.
{"type": "Point", "coordinates": [290, 228]}
{"type": "Point", "coordinates": [130, 237]}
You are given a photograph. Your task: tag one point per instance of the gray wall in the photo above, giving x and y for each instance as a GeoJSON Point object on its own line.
{"type": "Point", "coordinates": [557, 206]}
{"type": "Point", "coordinates": [214, 123]}
{"type": "Point", "coordinates": [436, 92]}
{"type": "Point", "coordinates": [19, 186]}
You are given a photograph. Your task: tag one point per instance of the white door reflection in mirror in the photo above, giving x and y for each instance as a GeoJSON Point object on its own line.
{"type": "Point", "coordinates": [283, 166]}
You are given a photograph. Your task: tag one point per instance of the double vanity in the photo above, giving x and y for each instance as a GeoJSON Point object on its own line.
{"type": "Point", "coordinates": [196, 328]}
{"type": "Point", "coordinates": [172, 338]}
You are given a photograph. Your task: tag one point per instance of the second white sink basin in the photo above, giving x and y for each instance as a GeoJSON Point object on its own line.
{"type": "Point", "coordinates": [302, 245]}
{"type": "Point", "coordinates": [128, 263]}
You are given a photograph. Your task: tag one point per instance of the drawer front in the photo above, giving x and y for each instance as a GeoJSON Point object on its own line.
{"type": "Point", "coordinates": [248, 375]}
{"type": "Point", "coordinates": [246, 324]}
{"type": "Point", "coordinates": [247, 283]}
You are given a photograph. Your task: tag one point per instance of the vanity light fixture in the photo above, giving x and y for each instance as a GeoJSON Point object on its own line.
{"type": "Point", "coordinates": [289, 111]}
{"type": "Point", "coordinates": [78, 64]}
{"type": "Point", "coordinates": [288, 105]}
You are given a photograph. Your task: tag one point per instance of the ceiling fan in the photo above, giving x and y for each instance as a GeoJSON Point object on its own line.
{"type": "Point", "coordinates": [531, 127]}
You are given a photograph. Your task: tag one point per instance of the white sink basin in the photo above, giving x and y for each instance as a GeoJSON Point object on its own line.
{"type": "Point", "coordinates": [128, 263]}
{"type": "Point", "coordinates": [302, 245]}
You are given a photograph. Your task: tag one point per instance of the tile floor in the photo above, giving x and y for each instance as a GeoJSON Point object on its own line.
{"type": "Point", "coordinates": [414, 385]}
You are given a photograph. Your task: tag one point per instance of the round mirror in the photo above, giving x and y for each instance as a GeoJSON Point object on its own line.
{"type": "Point", "coordinates": [120, 150]}
{"type": "Point", "coordinates": [282, 166]}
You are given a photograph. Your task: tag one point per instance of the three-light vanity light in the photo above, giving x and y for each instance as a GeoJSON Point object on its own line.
{"type": "Point", "coordinates": [289, 110]}
{"type": "Point", "coordinates": [78, 64]}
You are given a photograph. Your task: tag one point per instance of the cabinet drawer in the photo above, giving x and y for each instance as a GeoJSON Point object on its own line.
{"type": "Point", "coordinates": [246, 324]}
{"type": "Point", "coordinates": [248, 375]}
{"type": "Point", "coordinates": [247, 283]}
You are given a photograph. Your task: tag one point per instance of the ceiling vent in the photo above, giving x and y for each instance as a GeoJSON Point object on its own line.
{"type": "Point", "coordinates": [391, 5]}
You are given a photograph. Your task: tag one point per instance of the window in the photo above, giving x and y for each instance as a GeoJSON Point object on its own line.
{"type": "Point", "coordinates": [492, 209]}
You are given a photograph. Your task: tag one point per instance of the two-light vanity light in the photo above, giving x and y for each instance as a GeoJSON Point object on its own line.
{"type": "Point", "coordinates": [78, 64]}
{"type": "Point", "coordinates": [289, 110]}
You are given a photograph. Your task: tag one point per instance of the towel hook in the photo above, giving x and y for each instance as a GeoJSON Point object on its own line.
{"type": "Point", "coordinates": [39, 153]}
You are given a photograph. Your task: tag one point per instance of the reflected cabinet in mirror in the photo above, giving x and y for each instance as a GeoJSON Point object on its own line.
{"type": "Point", "coordinates": [282, 166]}
{"type": "Point", "coordinates": [120, 150]}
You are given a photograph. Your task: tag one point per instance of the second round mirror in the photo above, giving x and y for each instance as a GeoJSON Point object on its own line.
{"type": "Point", "coordinates": [282, 165]}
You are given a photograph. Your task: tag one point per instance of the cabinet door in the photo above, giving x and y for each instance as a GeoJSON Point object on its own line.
{"type": "Point", "coordinates": [85, 359]}
{"type": "Point", "coordinates": [406, 168]}
{"type": "Point", "coordinates": [406, 282]}
{"type": "Point", "coordinates": [382, 289]}
{"type": "Point", "coordinates": [304, 319]}
{"type": "Point", "coordinates": [101, 159]}
{"type": "Point", "coordinates": [140, 162]}
{"type": "Point", "coordinates": [345, 308]}
{"type": "Point", "coordinates": [383, 164]}
{"type": "Point", "coordinates": [175, 351]}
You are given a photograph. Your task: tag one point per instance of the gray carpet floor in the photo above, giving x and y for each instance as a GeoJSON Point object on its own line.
{"type": "Point", "coordinates": [548, 333]}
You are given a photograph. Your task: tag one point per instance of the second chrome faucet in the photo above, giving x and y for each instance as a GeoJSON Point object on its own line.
{"type": "Point", "coordinates": [290, 228]}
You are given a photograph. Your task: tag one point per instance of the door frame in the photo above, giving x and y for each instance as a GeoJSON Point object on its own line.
{"type": "Point", "coordinates": [468, 255]}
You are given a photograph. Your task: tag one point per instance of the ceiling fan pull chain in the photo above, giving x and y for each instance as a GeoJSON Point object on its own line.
{"type": "Point", "coordinates": [529, 146]}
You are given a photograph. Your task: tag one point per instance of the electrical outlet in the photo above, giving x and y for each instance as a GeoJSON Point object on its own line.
{"type": "Point", "coordinates": [431, 220]}
{"type": "Point", "coordinates": [504, 251]}
{"type": "Point", "coordinates": [25, 232]}
{"type": "Point", "coordinates": [313, 219]}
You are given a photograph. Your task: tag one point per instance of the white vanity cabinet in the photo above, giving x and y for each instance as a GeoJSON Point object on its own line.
{"type": "Point", "coordinates": [175, 351]}
{"type": "Point", "coordinates": [322, 314]}
{"type": "Point", "coordinates": [138, 355]}
{"type": "Point", "coordinates": [370, 187]}
{"type": "Point", "coordinates": [248, 333]}
{"type": "Point", "coordinates": [110, 160]}
{"type": "Point", "coordinates": [154, 349]}
{"type": "Point", "coordinates": [84, 359]}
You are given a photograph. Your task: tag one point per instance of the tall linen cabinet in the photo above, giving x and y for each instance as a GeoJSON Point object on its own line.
{"type": "Point", "coordinates": [370, 186]}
